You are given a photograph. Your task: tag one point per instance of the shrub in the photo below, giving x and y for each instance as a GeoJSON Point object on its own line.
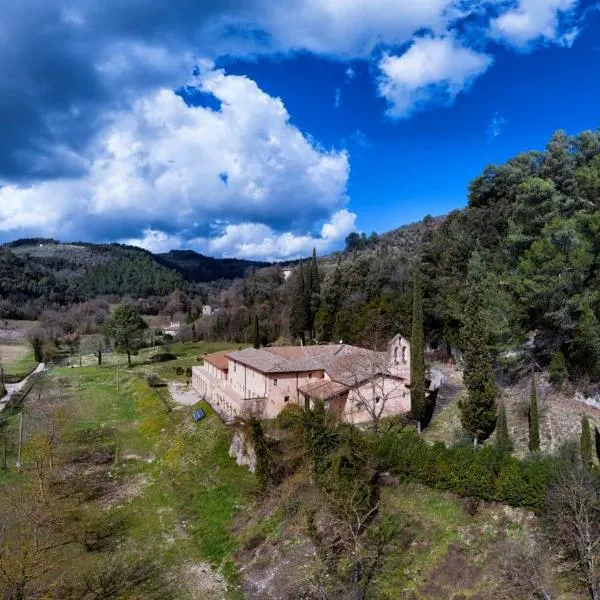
{"type": "Point", "coordinates": [153, 380]}
{"type": "Point", "coordinates": [484, 474]}
{"type": "Point", "coordinates": [162, 357]}
{"type": "Point", "coordinates": [188, 372]}
{"type": "Point", "coordinates": [558, 368]}
{"type": "Point", "coordinates": [179, 370]}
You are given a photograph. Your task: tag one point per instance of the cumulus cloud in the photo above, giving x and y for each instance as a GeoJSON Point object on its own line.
{"type": "Point", "coordinates": [531, 20]}
{"type": "Point", "coordinates": [432, 71]}
{"type": "Point", "coordinates": [259, 241]}
{"type": "Point", "coordinates": [163, 172]}
{"type": "Point", "coordinates": [87, 56]}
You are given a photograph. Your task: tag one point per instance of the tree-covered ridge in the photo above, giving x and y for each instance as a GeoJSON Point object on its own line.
{"type": "Point", "coordinates": [40, 273]}
{"type": "Point", "coordinates": [193, 266]}
{"type": "Point", "coordinates": [535, 225]}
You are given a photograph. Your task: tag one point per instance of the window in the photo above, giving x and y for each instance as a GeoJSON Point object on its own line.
{"type": "Point", "coordinates": [403, 353]}
{"type": "Point", "coordinates": [274, 381]}
{"type": "Point", "coordinates": [396, 355]}
{"type": "Point", "coordinates": [377, 399]}
{"type": "Point", "coordinates": [286, 399]}
{"type": "Point", "coordinates": [309, 375]}
{"type": "Point", "coordinates": [234, 367]}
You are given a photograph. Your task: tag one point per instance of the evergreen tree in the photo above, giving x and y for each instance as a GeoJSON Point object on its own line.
{"type": "Point", "coordinates": [503, 441]}
{"type": "Point", "coordinates": [534, 420]}
{"type": "Point", "coordinates": [124, 328]}
{"type": "Point", "coordinates": [417, 355]}
{"type": "Point", "coordinates": [298, 312]}
{"type": "Point", "coordinates": [478, 407]}
{"type": "Point", "coordinates": [256, 332]}
{"type": "Point", "coordinates": [586, 441]}
{"type": "Point", "coordinates": [314, 291]}
{"type": "Point", "coordinates": [315, 278]}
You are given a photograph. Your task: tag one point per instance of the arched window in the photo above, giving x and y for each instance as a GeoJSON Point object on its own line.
{"type": "Point", "coordinates": [396, 355]}
{"type": "Point", "coordinates": [403, 353]}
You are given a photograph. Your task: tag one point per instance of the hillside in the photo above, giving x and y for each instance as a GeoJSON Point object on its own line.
{"type": "Point", "coordinates": [39, 273]}
{"type": "Point", "coordinates": [193, 266]}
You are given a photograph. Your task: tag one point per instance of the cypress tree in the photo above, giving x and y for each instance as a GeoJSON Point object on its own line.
{"type": "Point", "coordinates": [314, 295]}
{"type": "Point", "coordinates": [478, 406]}
{"type": "Point", "coordinates": [534, 419]}
{"type": "Point", "coordinates": [315, 278]}
{"type": "Point", "coordinates": [503, 441]}
{"type": "Point", "coordinates": [586, 441]}
{"type": "Point", "coordinates": [417, 355]}
{"type": "Point", "coordinates": [298, 313]}
{"type": "Point", "coordinates": [256, 332]}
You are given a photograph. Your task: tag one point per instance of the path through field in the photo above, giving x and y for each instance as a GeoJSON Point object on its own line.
{"type": "Point", "coordinates": [13, 388]}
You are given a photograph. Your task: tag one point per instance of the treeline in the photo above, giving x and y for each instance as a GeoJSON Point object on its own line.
{"type": "Point", "coordinates": [530, 236]}
{"type": "Point", "coordinates": [529, 240]}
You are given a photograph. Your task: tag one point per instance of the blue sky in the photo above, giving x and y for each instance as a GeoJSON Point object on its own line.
{"type": "Point", "coordinates": [264, 131]}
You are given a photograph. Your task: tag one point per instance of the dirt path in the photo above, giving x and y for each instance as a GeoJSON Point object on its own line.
{"type": "Point", "coordinates": [183, 394]}
{"type": "Point", "coordinates": [13, 388]}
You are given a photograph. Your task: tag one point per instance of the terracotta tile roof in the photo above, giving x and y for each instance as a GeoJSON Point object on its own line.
{"type": "Point", "coordinates": [286, 359]}
{"type": "Point", "coordinates": [323, 389]}
{"type": "Point", "coordinates": [218, 359]}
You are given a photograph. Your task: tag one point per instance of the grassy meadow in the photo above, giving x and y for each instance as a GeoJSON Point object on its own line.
{"type": "Point", "coordinates": [16, 356]}
{"type": "Point", "coordinates": [166, 480]}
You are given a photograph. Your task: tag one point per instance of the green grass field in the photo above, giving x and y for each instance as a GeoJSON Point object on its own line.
{"type": "Point", "coordinates": [178, 489]}
{"type": "Point", "coordinates": [16, 357]}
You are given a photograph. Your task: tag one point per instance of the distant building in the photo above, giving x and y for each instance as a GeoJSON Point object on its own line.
{"type": "Point", "coordinates": [206, 310]}
{"type": "Point", "coordinates": [287, 273]}
{"type": "Point", "coordinates": [263, 381]}
{"type": "Point", "coordinates": [173, 329]}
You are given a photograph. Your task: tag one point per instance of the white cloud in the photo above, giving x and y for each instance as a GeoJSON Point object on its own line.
{"type": "Point", "coordinates": [259, 241]}
{"type": "Point", "coordinates": [351, 29]}
{"type": "Point", "coordinates": [161, 172]}
{"type": "Point", "coordinates": [350, 73]}
{"type": "Point", "coordinates": [531, 20]}
{"type": "Point", "coordinates": [495, 126]}
{"type": "Point", "coordinates": [432, 70]}
{"type": "Point", "coordinates": [155, 241]}
{"type": "Point", "coordinates": [337, 98]}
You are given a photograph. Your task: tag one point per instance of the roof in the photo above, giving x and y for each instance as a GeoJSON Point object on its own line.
{"type": "Point", "coordinates": [218, 359]}
{"type": "Point", "coordinates": [323, 389]}
{"type": "Point", "coordinates": [286, 359]}
{"type": "Point", "coordinates": [348, 365]}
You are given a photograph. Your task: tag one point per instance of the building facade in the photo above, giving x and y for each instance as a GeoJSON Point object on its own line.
{"type": "Point", "coordinates": [351, 381]}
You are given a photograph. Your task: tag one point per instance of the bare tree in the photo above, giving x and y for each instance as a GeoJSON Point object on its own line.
{"type": "Point", "coordinates": [36, 338]}
{"type": "Point", "coordinates": [573, 512]}
{"type": "Point", "coordinates": [93, 344]}
{"type": "Point", "coordinates": [523, 572]}
{"type": "Point", "coordinates": [372, 385]}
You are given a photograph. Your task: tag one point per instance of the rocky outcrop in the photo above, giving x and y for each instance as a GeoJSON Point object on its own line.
{"type": "Point", "coordinates": [242, 450]}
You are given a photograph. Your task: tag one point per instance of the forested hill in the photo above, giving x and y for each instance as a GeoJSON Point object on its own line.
{"type": "Point", "coordinates": [197, 267]}
{"type": "Point", "coordinates": [38, 273]}
{"type": "Point", "coordinates": [529, 238]}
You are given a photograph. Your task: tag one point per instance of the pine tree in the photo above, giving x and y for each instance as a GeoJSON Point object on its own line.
{"type": "Point", "coordinates": [255, 332]}
{"type": "Point", "coordinates": [586, 441]}
{"type": "Point", "coordinates": [417, 355]}
{"type": "Point", "coordinates": [503, 441]}
{"type": "Point", "coordinates": [478, 407]}
{"type": "Point", "coordinates": [534, 419]}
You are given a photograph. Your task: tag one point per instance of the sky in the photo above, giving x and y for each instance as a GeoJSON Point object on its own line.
{"type": "Point", "coordinates": [265, 128]}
